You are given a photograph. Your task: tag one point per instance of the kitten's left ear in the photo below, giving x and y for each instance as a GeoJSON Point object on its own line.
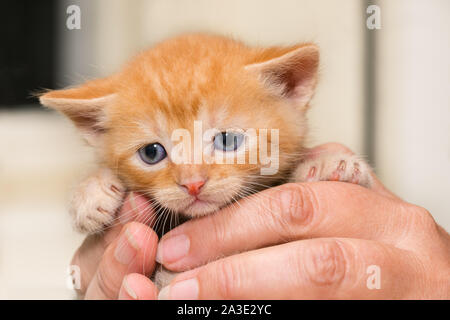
{"type": "Point", "coordinates": [292, 73]}
{"type": "Point", "coordinates": [84, 105]}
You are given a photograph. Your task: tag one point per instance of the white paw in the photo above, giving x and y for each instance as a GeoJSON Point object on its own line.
{"type": "Point", "coordinates": [334, 167]}
{"type": "Point", "coordinates": [95, 202]}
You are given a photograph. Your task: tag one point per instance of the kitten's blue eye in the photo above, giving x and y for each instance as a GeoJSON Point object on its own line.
{"type": "Point", "coordinates": [152, 153]}
{"type": "Point", "coordinates": [228, 141]}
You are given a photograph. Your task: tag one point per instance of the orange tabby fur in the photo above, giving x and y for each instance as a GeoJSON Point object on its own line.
{"type": "Point", "coordinates": [216, 80]}
{"type": "Point", "coordinates": [192, 77]}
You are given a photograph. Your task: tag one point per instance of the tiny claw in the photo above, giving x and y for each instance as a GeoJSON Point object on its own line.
{"type": "Point", "coordinates": [99, 209]}
{"type": "Point", "coordinates": [342, 165]}
{"type": "Point", "coordinates": [115, 189]}
{"type": "Point", "coordinates": [312, 173]}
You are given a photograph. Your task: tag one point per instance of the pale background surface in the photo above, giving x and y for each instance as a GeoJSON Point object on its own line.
{"type": "Point", "coordinates": [41, 156]}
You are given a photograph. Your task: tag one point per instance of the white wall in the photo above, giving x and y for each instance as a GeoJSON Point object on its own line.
{"type": "Point", "coordinates": [413, 103]}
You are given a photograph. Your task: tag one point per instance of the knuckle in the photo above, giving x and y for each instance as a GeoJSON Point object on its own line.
{"type": "Point", "coordinates": [324, 263]}
{"type": "Point", "coordinates": [422, 218]}
{"type": "Point", "coordinates": [106, 280]}
{"type": "Point", "coordinates": [219, 229]}
{"type": "Point", "coordinates": [297, 205]}
{"type": "Point", "coordinates": [105, 285]}
{"type": "Point", "coordinates": [229, 278]}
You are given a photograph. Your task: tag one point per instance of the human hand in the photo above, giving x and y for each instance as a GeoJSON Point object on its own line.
{"type": "Point", "coordinates": [309, 241]}
{"type": "Point", "coordinates": [115, 264]}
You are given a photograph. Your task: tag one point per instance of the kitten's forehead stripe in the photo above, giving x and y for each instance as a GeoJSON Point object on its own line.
{"type": "Point", "coordinates": [160, 122]}
{"type": "Point", "coordinates": [183, 71]}
{"type": "Point", "coordinates": [159, 90]}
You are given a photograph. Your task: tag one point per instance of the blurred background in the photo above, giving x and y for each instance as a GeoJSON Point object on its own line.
{"type": "Point", "coordinates": [382, 92]}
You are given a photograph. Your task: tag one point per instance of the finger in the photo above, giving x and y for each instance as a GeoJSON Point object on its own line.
{"type": "Point", "coordinates": [377, 186]}
{"type": "Point", "coordinates": [309, 269]}
{"type": "Point", "coordinates": [88, 256]}
{"type": "Point", "coordinates": [136, 208]}
{"type": "Point", "coordinates": [285, 213]}
{"type": "Point", "coordinates": [133, 251]}
{"type": "Point", "coordinates": [136, 286]}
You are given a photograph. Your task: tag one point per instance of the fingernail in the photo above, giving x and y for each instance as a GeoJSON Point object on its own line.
{"type": "Point", "coordinates": [172, 249]}
{"type": "Point", "coordinates": [182, 290]}
{"type": "Point", "coordinates": [126, 248]}
{"type": "Point", "coordinates": [130, 292]}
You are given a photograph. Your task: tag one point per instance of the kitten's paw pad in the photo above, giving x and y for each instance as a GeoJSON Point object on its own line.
{"type": "Point", "coordinates": [95, 202]}
{"type": "Point", "coordinates": [334, 167]}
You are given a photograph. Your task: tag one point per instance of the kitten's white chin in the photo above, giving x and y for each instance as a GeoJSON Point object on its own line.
{"type": "Point", "coordinates": [200, 208]}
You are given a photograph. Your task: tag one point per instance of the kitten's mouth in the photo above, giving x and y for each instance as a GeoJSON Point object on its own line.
{"type": "Point", "coordinates": [200, 202]}
{"type": "Point", "coordinates": [199, 207]}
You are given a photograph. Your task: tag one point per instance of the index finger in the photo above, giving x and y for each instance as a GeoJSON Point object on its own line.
{"type": "Point", "coordinates": [325, 268]}
{"type": "Point", "coordinates": [132, 252]}
{"type": "Point", "coordinates": [282, 214]}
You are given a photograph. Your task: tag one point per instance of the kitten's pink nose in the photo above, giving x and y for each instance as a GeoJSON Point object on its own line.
{"type": "Point", "coordinates": [193, 188]}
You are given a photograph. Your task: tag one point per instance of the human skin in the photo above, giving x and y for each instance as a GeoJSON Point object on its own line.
{"type": "Point", "coordinates": [307, 240]}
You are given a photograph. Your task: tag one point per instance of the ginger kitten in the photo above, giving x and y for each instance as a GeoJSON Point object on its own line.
{"type": "Point", "coordinates": [228, 88]}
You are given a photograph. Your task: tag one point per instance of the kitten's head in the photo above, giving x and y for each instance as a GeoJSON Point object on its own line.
{"type": "Point", "coordinates": [142, 118]}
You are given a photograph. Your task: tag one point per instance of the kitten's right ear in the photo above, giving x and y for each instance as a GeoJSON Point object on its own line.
{"type": "Point", "coordinates": [84, 105]}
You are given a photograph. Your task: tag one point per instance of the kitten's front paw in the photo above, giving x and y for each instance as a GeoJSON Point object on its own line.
{"type": "Point", "coordinates": [96, 200]}
{"type": "Point", "coordinates": [334, 167]}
